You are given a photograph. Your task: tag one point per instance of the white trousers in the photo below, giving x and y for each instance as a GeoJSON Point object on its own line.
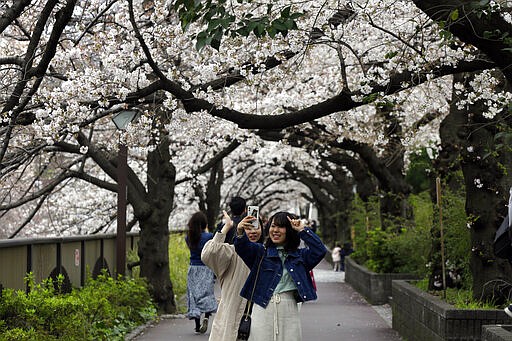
{"type": "Point", "coordinates": [280, 321]}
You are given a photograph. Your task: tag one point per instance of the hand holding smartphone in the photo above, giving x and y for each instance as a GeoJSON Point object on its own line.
{"type": "Point", "coordinates": [254, 211]}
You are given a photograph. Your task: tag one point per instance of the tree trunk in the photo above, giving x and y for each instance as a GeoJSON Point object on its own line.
{"type": "Point", "coordinates": [452, 130]}
{"type": "Point", "coordinates": [213, 194]}
{"type": "Point", "coordinates": [154, 241]}
{"type": "Point", "coordinates": [333, 200]}
{"type": "Point", "coordinates": [484, 167]}
{"type": "Point", "coordinates": [394, 207]}
{"type": "Point", "coordinates": [488, 205]}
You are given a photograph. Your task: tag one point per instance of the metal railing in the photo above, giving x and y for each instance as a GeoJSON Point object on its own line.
{"type": "Point", "coordinates": [74, 257]}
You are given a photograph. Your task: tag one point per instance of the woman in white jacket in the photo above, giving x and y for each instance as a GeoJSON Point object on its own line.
{"type": "Point", "coordinates": [231, 272]}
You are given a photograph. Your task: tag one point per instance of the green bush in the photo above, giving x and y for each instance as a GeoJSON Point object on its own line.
{"type": "Point", "coordinates": [104, 309]}
{"type": "Point", "coordinates": [401, 249]}
{"type": "Point", "coordinates": [409, 248]}
{"type": "Point", "coordinates": [363, 218]}
{"type": "Point", "coordinates": [457, 237]}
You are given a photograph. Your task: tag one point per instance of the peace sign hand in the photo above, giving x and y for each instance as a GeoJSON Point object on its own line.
{"type": "Point", "coordinates": [297, 224]}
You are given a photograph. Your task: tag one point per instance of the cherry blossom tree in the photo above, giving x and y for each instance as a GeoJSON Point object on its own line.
{"type": "Point", "coordinates": [68, 66]}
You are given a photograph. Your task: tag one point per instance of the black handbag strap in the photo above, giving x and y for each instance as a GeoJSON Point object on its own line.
{"type": "Point", "coordinates": [250, 303]}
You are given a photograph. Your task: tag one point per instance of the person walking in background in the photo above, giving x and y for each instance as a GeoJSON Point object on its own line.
{"type": "Point", "coordinates": [231, 272]}
{"type": "Point", "coordinates": [279, 276]}
{"type": "Point", "coordinates": [336, 257]}
{"type": "Point", "coordinates": [238, 209]}
{"type": "Point", "coordinates": [346, 250]}
{"type": "Point", "coordinates": [200, 278]}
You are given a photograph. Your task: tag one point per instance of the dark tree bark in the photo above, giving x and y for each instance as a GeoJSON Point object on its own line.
{"type": "Point", "coordinates": [452, 131]}
{"type": "Point", "coordinates": [154, 242]}
{"type": "Point", "coordinates": [487, 203]}
{"type": "Point", "coordinates": [151, 208]}
{"type": "Point", "coordinates": [209, 200]}
{"type": "Point", "coordinates": [470, 142]}
{"type": "Point", "coordinates": [333, 200]}
{"type": "Point", "coordinates": [394, 207]}
{"type": "Point", "coordinates": [213, 194]}
{"type": "Point", "coordinates": [475, 24]}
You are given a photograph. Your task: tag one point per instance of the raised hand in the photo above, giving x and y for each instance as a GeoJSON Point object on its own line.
{"type": "Point", "coordinates": [228, 223]}
{"type": "Point", "coordinates": [297, 224]}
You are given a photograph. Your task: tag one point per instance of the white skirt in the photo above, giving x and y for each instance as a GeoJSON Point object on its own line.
{"type": "Point", "coordinates": [280, 321]}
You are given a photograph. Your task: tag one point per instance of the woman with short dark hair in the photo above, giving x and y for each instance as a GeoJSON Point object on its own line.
{"type": "Point", "coordinates": [231, 272]}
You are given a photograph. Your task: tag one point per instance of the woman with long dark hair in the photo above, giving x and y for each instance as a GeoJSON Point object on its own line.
{"type": "Point", "coordinates": [200, 279]}
{"type": "Point", "coordinates": [279, 277]}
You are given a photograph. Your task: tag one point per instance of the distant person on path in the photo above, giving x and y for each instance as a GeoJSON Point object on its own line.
{"type": "Point", "coordinates": [336, 257]}
{"type": "Point", "coordinates": [283, 279]}
{"type": "Point", "coordinates": [232, 273]}
{"type": "Point", "coordinates": [346, 250]}
{"type": "Point", "coordinates": [200, 278]}
{"type": "Point", "coordinates": [238, 209]}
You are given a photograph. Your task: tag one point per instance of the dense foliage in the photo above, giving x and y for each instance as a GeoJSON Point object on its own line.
{"type": "Point", "coordinates": [104, 309]}
{"type": "Point", "coordinates": [408, 249]}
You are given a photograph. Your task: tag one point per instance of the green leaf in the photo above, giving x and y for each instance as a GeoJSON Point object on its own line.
{"type": "Point", "coordinates": [390, 55]}
{"type": "Point", "coordinates": [454, 15]}
{"type": "Point", "coordinates": [288, 24]}
{"type": "Point", "coordinates": [285, 13]}
{"type": "Point", "coordinates": [271, 32]}
{"type": "Point", "coordinates": [296, 15]}
{"type": "Point", "coordinates": [259, 30]}
{"type": "Point", "coordinates": [279, 26]}
{"type": "Point", "coordinates": [202, 39]}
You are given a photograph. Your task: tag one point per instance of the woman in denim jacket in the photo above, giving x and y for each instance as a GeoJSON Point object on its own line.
{"type": "Point", "coordinates": [283, 278]}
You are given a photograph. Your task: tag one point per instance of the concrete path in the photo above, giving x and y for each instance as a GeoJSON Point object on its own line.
{"type": "Point", "coordinates": [339, 314]}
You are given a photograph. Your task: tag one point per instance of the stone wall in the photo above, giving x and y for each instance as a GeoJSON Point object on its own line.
{"type": "Point", "coordinates": [420, 316]}
{"type": "Point", "coordinates": [376, 288]}
{"type": "Point", "coordinates": [497, 333]}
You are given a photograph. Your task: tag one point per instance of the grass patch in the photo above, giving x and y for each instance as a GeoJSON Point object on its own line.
{"type": "Point", "coordinates": [459, 298]}
{"type": "Point", "coordinates": [179, 258]}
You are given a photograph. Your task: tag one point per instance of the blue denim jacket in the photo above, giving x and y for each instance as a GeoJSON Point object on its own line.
{"type": "Point", "coordinates": [298, 263]}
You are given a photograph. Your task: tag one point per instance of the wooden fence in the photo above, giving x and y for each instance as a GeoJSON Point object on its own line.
{"type": "Point", "coordinates": [74, 257]}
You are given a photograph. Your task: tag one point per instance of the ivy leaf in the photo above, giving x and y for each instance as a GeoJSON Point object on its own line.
{"type": "Point", "coordinates": [454, 15]}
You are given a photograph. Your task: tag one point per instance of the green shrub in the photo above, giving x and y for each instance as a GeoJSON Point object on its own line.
{"type": "Point", "coordinates": [105, 309]}
{"type": "Point", "coordinates": [363, 218]}
{"type": "Point", "coordinates": [457, 237]}
{"type": "Point", "coordinates": [397, 249]}
{"type": "Point", "coordinates": [408, 248]}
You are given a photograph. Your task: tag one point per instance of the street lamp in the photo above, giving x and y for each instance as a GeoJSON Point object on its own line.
{"type": "Point", "coordinates": [121, 120]}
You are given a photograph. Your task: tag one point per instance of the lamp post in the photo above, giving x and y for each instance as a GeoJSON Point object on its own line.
{"type": "Point", "coordinates": [121, 120]}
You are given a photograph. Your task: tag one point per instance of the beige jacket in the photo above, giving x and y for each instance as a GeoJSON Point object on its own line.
{"type": "Point", "coordinates": [231, 272]}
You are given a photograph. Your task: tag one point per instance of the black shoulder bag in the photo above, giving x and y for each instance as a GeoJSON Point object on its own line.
{"type": "Point", "coordinates": [244, 328]}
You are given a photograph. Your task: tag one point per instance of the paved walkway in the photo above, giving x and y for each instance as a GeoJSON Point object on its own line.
{"type": "Point", "coordinates": [340, 313]}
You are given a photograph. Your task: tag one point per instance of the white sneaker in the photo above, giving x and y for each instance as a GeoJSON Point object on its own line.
{"type": "Point", "coordinates": [204, 326]}
{"type": "Point", "coordinates": [508, 310]}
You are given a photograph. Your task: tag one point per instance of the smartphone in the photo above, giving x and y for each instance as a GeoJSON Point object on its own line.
{"type": "Point", "coordinates": [255, 212]}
